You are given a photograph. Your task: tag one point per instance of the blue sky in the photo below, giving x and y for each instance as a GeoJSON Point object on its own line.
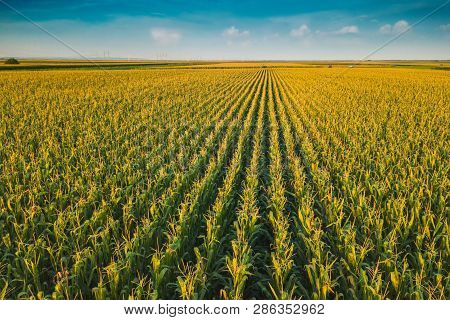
{"type": "Point", "coordinates": [217, 29]}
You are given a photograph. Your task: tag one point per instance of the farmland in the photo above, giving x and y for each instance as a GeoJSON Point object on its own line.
{"type": "Point", "coordinates": [225, 183]}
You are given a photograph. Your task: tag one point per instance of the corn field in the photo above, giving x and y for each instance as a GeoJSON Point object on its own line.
{"type": "Point", "coordinates": [238, 183]}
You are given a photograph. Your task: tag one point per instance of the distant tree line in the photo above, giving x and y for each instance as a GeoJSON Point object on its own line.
{"type": "Point", "coordinates": [12, 61]}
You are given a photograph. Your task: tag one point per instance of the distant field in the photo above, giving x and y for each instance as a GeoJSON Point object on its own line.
{"type": "Point", "coordinates": [339, 64]}
{"type": "Point", "coordinates": [135, 64]}
{"type": "Point", "coordinates": [98, 64]}
{"type": "Point", "coordinates": [253, 180]}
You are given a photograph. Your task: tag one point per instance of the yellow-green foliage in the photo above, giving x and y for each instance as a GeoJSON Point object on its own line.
{"type": "Point", "coordinates": [272, 183]}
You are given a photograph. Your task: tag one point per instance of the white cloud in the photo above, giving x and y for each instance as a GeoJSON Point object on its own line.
{"type": "Point", "coordinates": [165, 36]}
{"type": "Point", "coordinates": [233, 32]}
{"type": "Point", "coordinates": [399, 27]}
{"type": "Point", "coordinates": [445, 27]}
{"type": "Point", "coordinates": [348, 29]}
{"type": "Point", "coordinates": [300, 31]}
{"type": "Point", "coordinates": [385, 29]}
